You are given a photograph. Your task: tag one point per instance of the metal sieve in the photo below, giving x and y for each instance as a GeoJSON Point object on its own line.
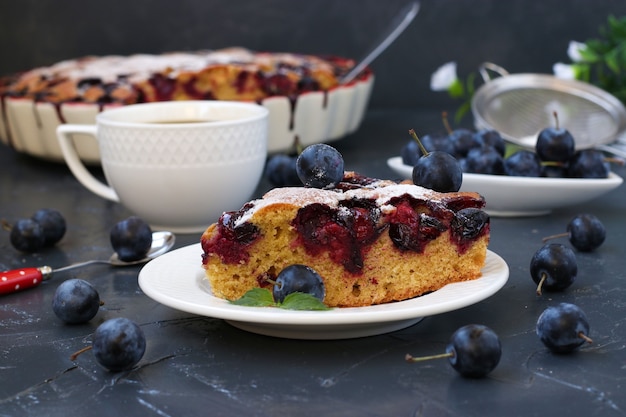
{"type": "Point", "coordinates": [521, 105]}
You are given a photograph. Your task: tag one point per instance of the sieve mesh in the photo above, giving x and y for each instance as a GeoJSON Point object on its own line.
{"type": "Point", "coordinates": [519, 106]}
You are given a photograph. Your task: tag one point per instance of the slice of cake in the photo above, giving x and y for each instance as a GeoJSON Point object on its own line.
{"type": "Point", "coordinates": [372, 241]}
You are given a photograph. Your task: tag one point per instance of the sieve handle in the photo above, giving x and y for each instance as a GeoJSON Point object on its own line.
{"type": "Point", "coordinates": [485, 67]}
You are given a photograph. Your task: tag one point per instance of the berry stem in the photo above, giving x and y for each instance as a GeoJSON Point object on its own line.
{"type": "Point", "coordinates": [556, 118]}
{"type": "Point", "coordinates": [410, 358]}
{"type": "Point", "coordinates": [544, 276]}
{"type": "Point", "coordinates": [558, 235]}
{"type": "Point", "coordinates": [273, 282]}
{"type": "Point", "coordinates": [419, 142]}
{"type": "Point", "coordinates": [446, 123]}
{"type": "Point", "coordinates": [615, 160]}
{"type": "Point", "coordinates": [298, 145]}
{"type": "Point", "coordinates": [585, 337]}
{"type": "Point", "coordinates": [552, 164]}
{"type": "Point", "coordinates": [5, 225]}
{"type": "Point", "coordinates": [74, 355]}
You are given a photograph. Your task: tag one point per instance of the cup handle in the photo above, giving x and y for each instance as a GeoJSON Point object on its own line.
{"type": "Point", "coordinates": [76, 165]}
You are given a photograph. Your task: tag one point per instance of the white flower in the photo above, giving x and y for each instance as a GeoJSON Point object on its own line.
{"type": "Point", "coordinates": [444, 77]}
{"type": "Point", "coordinates": [573, 51]}
{"type": "Point", "coordinates": [564, 71]}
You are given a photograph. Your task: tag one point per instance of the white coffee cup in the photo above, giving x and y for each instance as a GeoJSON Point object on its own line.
{"type": "Point", "coordinates": [178, 165]}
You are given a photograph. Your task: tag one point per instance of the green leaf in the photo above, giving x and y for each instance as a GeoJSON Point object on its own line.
{"type": "Point", "coordinates": [256, 297]}
{"type": "Point", "coordinates": [590, 54]}
{"type": "Point", "coordinates": [582, 72]}
{"type": "Point", "coordinates": [262, 297]}
{"type": "Point", "coordinates": [617, 29]}
{"type": "Point", "coordinates": [612, 61]}
{"type": "Point", "coordinates": [456, 89]}
{"type": "Point", "coordinates": [302, 301]}
{"type": "Point", "coordinates": [510, 149]}
{"type": "Point", "coordinates": [469, 84]}
{"type": "Point", "coordinates": [462, 111]}
{"type": "Point", "coordinates": [599, 47]}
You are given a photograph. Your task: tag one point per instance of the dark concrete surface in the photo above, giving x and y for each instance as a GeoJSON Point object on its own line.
{"type": "Point", "coordinates": [201, 366]}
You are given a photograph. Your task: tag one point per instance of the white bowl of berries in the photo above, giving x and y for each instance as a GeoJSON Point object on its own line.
{"type": "Point", "coordinates": [516, 181]}
{"type": "Point", "coordinates": [509, 196]}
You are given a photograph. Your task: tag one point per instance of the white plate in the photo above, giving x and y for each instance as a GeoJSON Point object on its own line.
{"type": "Point", "coordinates": [523, 196]}
{"type": "Point", "coordinates": [177, 280]}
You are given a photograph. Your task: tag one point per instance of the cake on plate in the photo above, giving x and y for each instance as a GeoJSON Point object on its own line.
{"type": "Point", "coordinates": [372, 241]}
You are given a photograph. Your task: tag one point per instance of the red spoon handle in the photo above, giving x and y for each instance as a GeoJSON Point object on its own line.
{"type": "Point", "coordinates": [22, 279]}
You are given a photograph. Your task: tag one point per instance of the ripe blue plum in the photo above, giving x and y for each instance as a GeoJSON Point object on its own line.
{"type": "Point", "coordinates": [131, 239]}
{"type": "Point", "coordinates": [563, 328]}
{"type": "Point", "coordinates": [53, 224]}
{"type": "Point", "coordinates": [320, 166]}
{"type": "Point", "coordinates": [474, 350]}
{"type": "Point", "coordinates": [75, 301]}
{"type": "Point", "coordinates": [118, 344]}
{"type": "Point", "coordinates": [298, 278]}
{"type": "Point", "coordinates": [553, 267]}
{"type": "Point", "coordinates": [27, 236]}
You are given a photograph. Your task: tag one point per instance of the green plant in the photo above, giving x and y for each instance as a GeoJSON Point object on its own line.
{"type": "Point", "coordinates": [602, 61]}
{"type": "Point", "coordinates": [445, 79]}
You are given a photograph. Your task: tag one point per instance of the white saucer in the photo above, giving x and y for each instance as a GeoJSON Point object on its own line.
{"type": "Point", "coordinates": [177, 280]}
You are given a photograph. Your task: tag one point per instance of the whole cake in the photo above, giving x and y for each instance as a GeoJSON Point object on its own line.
{"type": "Point", "coordinates": [372, 241]}
{"type": "Point", "coordinates": [225, 74]}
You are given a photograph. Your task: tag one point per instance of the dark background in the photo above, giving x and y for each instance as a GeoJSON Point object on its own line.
{"type": "Point", "coordinates": [520, 35]}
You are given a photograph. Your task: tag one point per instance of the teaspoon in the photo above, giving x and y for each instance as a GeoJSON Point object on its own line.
{"type": "Point", "coordinates": [21, 279]}
{"type": "Point", "coordinates": [399, 23]}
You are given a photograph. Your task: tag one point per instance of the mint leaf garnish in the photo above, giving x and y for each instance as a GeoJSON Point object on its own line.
{"type": "Point", "coordinates": [302, 301]}
{"type": "Point", "coordinates": [262, 297]}
{"type": "Point", "coordinates": [256, 297]}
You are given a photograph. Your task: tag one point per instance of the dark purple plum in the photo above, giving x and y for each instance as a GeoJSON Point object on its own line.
{"type": "Point", "coordinates": [555, 144]}
{"type": "Point", "coordinates": [75, 301]}
{"type": "Point", "coordinates": [320, 166]}
{"type": "Point", "coordinates": [131, 239]}
{"type": "Point", "coordinates": [484, 160]}
{"type": "Point", "coordinates": [410, 153]}
{"type": "Point", "coordinates": [280, 170]}
{"type": "Point", "coordinates": [586, 232]}
{"type": "Point", "coordinates": [118, 344]}
{"type": "Point", "coordinates": [474, 350]}
{"type": "Point", "coordinates": [553, 267]}
{"type": "Point", "coordinates": [493, 138]}
{"type": "Point", "coordinates": [53, 224]}
{"type": "Point", "coordinates": [27, 236]}
{"type": "Point", "coordinates": [298, 278]}
{"type": "Point", "coordinates": [588, 163]}
{"type": "Point", "coordinates": [438, 171]}
{"type": "Point", "coordinates": [437, 142]}
{"type": "Point", "coordinates": [464, 140]}
{"type": "Point", "coordinates": [563, 328]}
{"type": "Point", "coordinates": [523, 164]}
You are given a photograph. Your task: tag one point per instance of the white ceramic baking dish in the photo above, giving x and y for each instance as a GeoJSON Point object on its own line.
{"type": "Point", "coordinates": [30, 127]}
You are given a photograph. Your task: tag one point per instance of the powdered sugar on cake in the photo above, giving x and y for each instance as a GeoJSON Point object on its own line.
{"type": "Point", "coordinates": [380, 191]}
{"type": "Point", "coordinates": [139, 67]}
